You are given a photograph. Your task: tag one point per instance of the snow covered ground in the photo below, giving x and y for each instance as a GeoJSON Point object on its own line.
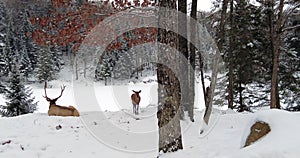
{"type": "Point", "coordinates": [38, 135]}
{"type": "Point", "coordinates": [107, 128]}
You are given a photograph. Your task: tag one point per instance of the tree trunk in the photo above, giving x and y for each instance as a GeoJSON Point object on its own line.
{"type": "Point", "coordinates": [202, 78]}
{"type": "Point", "coordinates": [192, 62]}
{"type": "Point", "coordinates": [76, 68]}
{"type": "Point", "coordinates": [221, 32]}
{"type": "Point", "coordinates": [210, 93]}
{"type": "Point", "coordinates": [230, 58]}
{"type": "Point", "coordinates": [240, 88]}
{"type": "Point", "coordinates": [277, 43]}
{"type": "Point", "coordinates": [168, 112]}
{"type": "Point", "coordinates": [183, 49]}
{"type": "Point", "coordinates": [211, 89]}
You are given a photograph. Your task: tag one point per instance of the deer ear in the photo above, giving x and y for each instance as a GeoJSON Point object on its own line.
{"type": "Point", "coordinates": [133, 91]}
{"type": "Point", "coordinates": [140, 91]}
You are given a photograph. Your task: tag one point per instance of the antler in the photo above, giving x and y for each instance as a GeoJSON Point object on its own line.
{"type": "Point", "coordinates": [45, 86]}
{"type": "Point", "coordinates": [61, 91]}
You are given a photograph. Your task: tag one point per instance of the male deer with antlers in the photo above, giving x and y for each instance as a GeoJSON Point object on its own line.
{"type": "Point", "coordinates": [135, 98]}
{"type": "Point", "coordinates": [57, 110]}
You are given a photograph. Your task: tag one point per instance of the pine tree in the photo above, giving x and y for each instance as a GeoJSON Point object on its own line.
{"type": "Point", "coordinates": [247, 54]}
{"type": "Point", "coordinates": [104, 68]}
{"type": "Point", "coordinates": [9, 50]}
{"type": "Point", "coordinates": [289, 68]}
{"type": "Point", "coordinates": [19, 97]}
{"type": "Point", "coordinates": [3, 32]}
{"type": "Point", "coordinates": [45, 67]}
{"type": "Point", "coordinates": [123, 67]}
{"type": "Point", "coordinates": [27, 47]}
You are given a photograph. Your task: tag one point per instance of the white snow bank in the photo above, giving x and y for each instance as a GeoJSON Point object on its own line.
{"type": "Point", "coordinates": [35, 135]}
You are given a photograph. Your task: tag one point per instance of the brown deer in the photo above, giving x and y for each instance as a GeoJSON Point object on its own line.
{"type": "Point", "coordinates": [57, 110]}
{"type": "Point", "coordinates": [135, 98]}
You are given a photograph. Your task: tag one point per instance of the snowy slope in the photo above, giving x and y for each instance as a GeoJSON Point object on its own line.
{"type": "Point", "coordinates": [115, 132]}
{"type": "Point", "coordinates": [38, 135]}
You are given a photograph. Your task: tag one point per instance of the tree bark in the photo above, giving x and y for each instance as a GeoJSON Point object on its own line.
{"type": "Point", "coordinates": [183, 49]}
{"type": "Point", "coordinates": [221, 32]}
{"type": "Point", "coordinates": [211, 89]}
{"type": "Point", "coordinates": [277, 43]}
{"type": "Point", "coordinates": [168, 112]}
{"type": "Point", "coordinates": [202, 77]}
{"type": "Point", "coordinates": [230, 57]}
{"type": "Point", "coordinates": [192, 61]}
{"type": "Point", "coordinates": [210, 93]}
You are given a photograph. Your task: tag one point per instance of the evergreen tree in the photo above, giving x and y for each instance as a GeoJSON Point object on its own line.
{"type": "Point", "coordinates": [123, 67]}
{"type": "Point", "coordinates": [18, 96]}
{"type": "Point", "coordinates": [9, 50]}
{"type": "Point", "coordinates": [3, 31]}
{"type": "Point", "coordinates": [104, 68]}
{"type": "Point", "coordinates": [56, 55]}
{"type": "Point", "coordinates": [45, 67]}
{"type": "Point", "coordinates": [289, 68]}
{"type": "Point", "coordinates": [27, 47]}
{"type": "Point", "coordinates": [248, 56]}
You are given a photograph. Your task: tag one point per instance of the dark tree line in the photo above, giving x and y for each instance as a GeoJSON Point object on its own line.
{"type": "Point", "coordinates": [22, 60]}
{"type": "Point", "coordinates": [259, 51]}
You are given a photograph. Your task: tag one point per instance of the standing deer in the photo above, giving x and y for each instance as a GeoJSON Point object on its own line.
{"type": "Point", "coordinates": [57, 110]}
{"type": "Point", "coordinates": [135, 98]}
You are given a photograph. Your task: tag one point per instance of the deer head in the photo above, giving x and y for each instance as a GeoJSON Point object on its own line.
{"type": "Point", "coordinates": [53, 101]}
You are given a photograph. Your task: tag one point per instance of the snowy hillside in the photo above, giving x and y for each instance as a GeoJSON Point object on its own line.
{"type": "Point", "coordinates": [38, 135]}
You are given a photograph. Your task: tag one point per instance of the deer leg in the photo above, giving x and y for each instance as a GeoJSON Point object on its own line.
{"type": "Point", "coordinates": [133, 108]}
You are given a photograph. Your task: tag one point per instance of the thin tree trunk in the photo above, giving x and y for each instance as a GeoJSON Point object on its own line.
{"type": "Point", "coordinates": [192, 61]}
{"type": "Point", "coordinates": [210, 92]}
{"type": "Point", "coordinates": [220, 43]}
{"type": "Point", "coordinates": [168, 112]}
{"type": "Point", "coordinates": [183, 49]}
{"type": "Point", "coordinates": [202, 77]}
{"type": "Point", "coordinates": [242, 108]}
{"type": "Point", "coordinates": [230, 56]}
{"type": "Point", "coordinates": [221, 32]}
{"type": "Point", "coordinates": [277, 43]}
{"type": "Point", "coordinates": [76, 68]}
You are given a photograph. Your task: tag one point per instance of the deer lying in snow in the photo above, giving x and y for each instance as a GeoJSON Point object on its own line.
{"type": "Point", "coordinates": [57, 110]}
{"type": "Point", "coordinates": [135, 98]}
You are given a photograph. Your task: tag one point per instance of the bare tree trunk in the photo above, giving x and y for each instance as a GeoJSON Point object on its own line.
{"type": "Point", "coordinates": [230, 56]}
{"type": "Point", "coordinates": [202, 77]}
{"type": "Point", "coordinates": [76, 68]}
{"type": "Point", "coordinates": [211, 89]}
{"type": "Point", "coordinates": [192, 62]}
{"type": "Point", "coordinates": [168, 112]}
{"type": "Point", "coordinates": [210, 93]}
{"type": "Point", "coordinates": [183, 49]}
{"type": "Point", "coordinates": [277, 43]}
{"type": "Point", "coordinates": [221, 32]}
{"type": "Point", "coordinates": [240, 88]}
